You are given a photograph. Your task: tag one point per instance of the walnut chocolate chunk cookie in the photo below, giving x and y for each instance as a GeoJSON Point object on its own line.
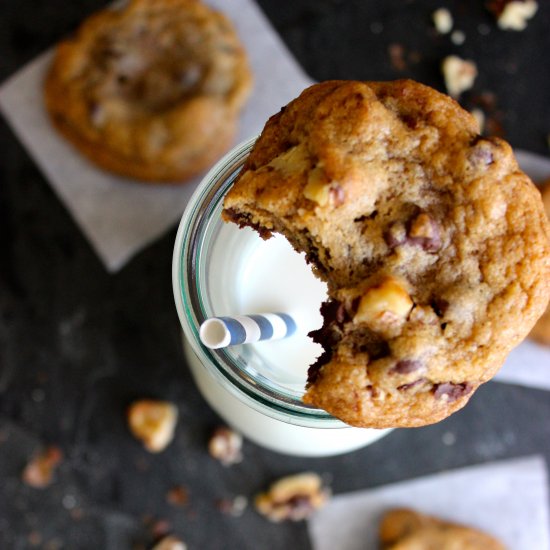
{"type": "Point", "coordinates": [151, 91]}
{"type": "Point", "coordinates": [404, 529]}
{"type": "Point", "coordinates": [541, 331]}
{"type": "Point", "coordinates": [434, 245]}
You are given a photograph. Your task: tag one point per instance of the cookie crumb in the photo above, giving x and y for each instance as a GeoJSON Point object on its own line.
{"type": "Point", "coordinates": [443, 20]}
{"type": "Point", "coordinates": [153, 422]}
{"type": "Point", "coordinates": [397, 56]}
{"type": "Point", "coordinates": [293, 498]}
{"type": "Point", "coordinates": [225, 445]}
{"type": "Point", "coordinates": [178, 496]}
{"type": "Point", "coordinates": [234, 507]}
{"type": "Point", "coordinates": [458, 38]}
{"type": "Point", "coordinates": [513, 15]}
{"type": "Point", "coordinates": [38, 473]}
{"type": "Point", "coordinates": [170, 543]}
{"type": "Point", "coordinates": [479, 115]}
{"type": "Point", "coordinates": [459, 74]}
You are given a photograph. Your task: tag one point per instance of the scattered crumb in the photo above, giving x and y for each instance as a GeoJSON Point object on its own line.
{"type": "Point", "coordinates": [376, 27]}
{"type": "Point", "coordinates": [459, 74]}
{"type": "Point", "coordinates": [397, 56]}
{"type": "Point", "coordinates": [483, 29]}
{"type": "Point", "coordinates": [160, 528]}
{"type": "Point", "coordinates": [458, 38]}
{"type": "Point", "coordinates": [178, 496]}
{"type": "Point", "coordinates": [513, 14]}
{"type": "Point", "coordinates": [233, 506]}
{"type": "Point", "coordinates": [479, 115]}
{"type": "Point", "coordinates": [225, 445]}
{"type": "Point", "coordinates": [292, 498]}
{"type": "Point", "coordinates": [69, 502]}
{"type": "Point", "coordinates": [38, 473]}
{"type": "Point", "coordinates": [153, 422]}
{"type": "Point", "coordinates": [34, 538]}
{"type": "Point", "coordinates": [449, 439]}
{"type": "Point", "coordinates": [443, 20]}
{"type": "Point", "coordinates": [170, 543]}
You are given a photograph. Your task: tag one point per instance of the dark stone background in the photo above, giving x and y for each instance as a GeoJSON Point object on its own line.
{"type": "Point", "coordinates": [77, 344]}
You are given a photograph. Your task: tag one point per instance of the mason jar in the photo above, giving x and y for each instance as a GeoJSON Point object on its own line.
{"type": "Point", "coordinates": [219, 269]}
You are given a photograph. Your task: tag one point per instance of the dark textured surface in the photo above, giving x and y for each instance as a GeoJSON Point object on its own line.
{"type": "Point", "coordinates": [77, 345]}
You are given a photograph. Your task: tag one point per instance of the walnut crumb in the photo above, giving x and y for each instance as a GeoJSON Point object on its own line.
{"type": "Point", "coordinates": [225, 445]}
{"type": "Point", "coordinates": [513, 15]}
{"type": "Point", "coordinates": [459, 74]}
{"type": "Point", "coordinates": [153, 422]}
{"type": "Point", "coordinates": [443, 20]}
{"type": "Point", "coordinates": [38, 473]}
{"type": "Point", "coordinates": [170, 543]}
{"type": "Point", "coordinates": [293, 498]}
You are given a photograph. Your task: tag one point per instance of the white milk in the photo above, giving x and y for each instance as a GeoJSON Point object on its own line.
{"type": "Point", "coordinates": [268, 277]}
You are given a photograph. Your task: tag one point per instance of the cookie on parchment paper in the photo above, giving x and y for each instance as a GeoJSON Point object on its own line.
{"type": "Point", "coordinates": [151, 91]}
{"type": "Point", "coordinates": [405, 529]}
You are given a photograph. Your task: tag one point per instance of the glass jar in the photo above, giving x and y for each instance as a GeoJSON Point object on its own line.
{"type": "Point", "coordinates": [252, 386]}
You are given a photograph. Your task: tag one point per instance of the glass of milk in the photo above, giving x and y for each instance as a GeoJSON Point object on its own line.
{"type": "Point", "coordinates": [221, 270]}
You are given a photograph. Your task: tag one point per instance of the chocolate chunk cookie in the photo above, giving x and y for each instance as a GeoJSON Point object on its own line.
{"type": "Point", "coordinates": [434, 245]}
{"type": "Point", "coordinates": [151, 91]}
{"type": "Point", "coordinates": [404, 529]}
{"type": "Point", "coordinates": [541, 331]}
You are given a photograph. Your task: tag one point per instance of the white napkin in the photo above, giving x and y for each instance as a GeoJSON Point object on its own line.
{"type": "Point", "coordinates": [120, 217]}
{"type": "Point", "coordinates": [508, 499]}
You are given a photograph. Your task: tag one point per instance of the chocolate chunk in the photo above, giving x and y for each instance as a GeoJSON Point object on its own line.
{"type": "Point", "coordinates": [406, 366]}
{"type": "Point", "coordinates": [337, 195]}
{"type": "Point", "coordinates": [424, 231]}
{"type": "Point", "coordinates": [395, 235]}
{"type": "Point", "coordinates": [451, 392]}
{"type": "Point", "coordinates": [481, 153]}
{"type": "Point", "coordinates": [405, 387]}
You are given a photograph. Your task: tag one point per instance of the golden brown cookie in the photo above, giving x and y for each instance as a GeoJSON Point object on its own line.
{"type": "Point", "coordinates": [434, 245]}
{"type": "Point", "coordinates": [404, 529]}
{"type": "Point", "coordinates": [541, 331]}
{"type": "Point", "coordinates": [152, 91]}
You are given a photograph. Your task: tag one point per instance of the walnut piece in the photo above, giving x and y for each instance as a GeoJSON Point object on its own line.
{"type": "Point", "coordinates": [459, 74]}
{"type": "Point", "coordinates": [292, 498]}
{"type": "Point", "coordinates": [38, 473]}
{"type": "Point", "coordinates": [443, 20]}
{"type": "Point", "coordinates": [384, 306]}
{"type": "Point", "coordinates": [515, 14]}
{"type": "Point", "coordinates": [225, 445]}
{"type": "Point", "coordinates": [170, 543]}
{"type": "Point", "coordinates": [153, 422]}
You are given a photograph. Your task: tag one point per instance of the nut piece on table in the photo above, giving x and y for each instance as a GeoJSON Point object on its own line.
{"type": "Point", "coordinates": [513, 14]}
{"type": "Point", "coordinates": [153, 422]}
{"type": "Point", "coordinates": [293, 498]}
{"type": "Point", "coordinates": [38, 473]}
{"type": "Point", "coordinates": [443, 20]}
{"type": "Point", "coordinates": [459, 74]}
{"type": "Point", "coordinates": [385, 306]}
{"type": "Point", "coordinates": [225, 445]}
{"type": "Point", "coordinates": [170, 543]}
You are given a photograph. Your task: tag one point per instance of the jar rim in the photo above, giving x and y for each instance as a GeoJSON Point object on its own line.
{"type": "Point", "coordinates": [186, 281]}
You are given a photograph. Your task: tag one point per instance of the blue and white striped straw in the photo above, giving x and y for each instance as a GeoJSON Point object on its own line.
{"type": "Point", "coordinates": [220, 332]}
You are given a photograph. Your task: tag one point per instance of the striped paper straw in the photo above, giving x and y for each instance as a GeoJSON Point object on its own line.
{"type": "Point", "coordinates": [220, 332]}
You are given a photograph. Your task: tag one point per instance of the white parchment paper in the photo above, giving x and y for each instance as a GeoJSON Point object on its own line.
{"type": "Point", "coordinates": [120, 217]}
{"type": "Point", "coordinates": [508, 499]}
